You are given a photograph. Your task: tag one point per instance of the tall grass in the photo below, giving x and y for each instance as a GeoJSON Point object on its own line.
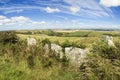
{"type": "Point", "coordinates": [18, 62]}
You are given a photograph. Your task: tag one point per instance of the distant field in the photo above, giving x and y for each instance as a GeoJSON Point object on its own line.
{"type": "Point", "coordinates": [82, 36]}
{"type": "Point", "coordinates": [69, 31]}
{"type": "Point", "coordinates": [73, 33]}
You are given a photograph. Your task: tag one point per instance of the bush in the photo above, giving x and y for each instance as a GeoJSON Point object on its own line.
{"type": "Point", "coordinates": [66, 43]}
{"type": "Point", "coordinates": [45, 41]}
{"type": "Point", "coordinates": [98, 68]}
{"type": "Point", "coordinates": [73, 44]}
{"type": "Point", "coordinates": [106, 51]}
{"type": "Point", "coordinates": [8, 37]}
{"type": "Point", "coordinates": [102, 64]}
{"type": "Point", "coordinates": [30, 61]}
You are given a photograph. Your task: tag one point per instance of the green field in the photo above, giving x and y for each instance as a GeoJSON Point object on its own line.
{"type": "Point", "coordinates": [82, 36]}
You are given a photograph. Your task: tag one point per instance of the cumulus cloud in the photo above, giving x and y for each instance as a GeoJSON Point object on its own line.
{"type": "Point", "coordinates": [19, 21]}
{"type": "Point", "coordinates": [3, 20]}
{"type": "Point", "coordinates": [51, 10]}
{"type": "Point", "coordinates": [42, 22]}
{"type": "Point", "coordinates": [39, 23]}
{"type": "Point", "coordinates": [110, 3]}
{"type": "Point", "coordinates": [74, 9]}
{"type": "Point", "coordinates": [2, 17]}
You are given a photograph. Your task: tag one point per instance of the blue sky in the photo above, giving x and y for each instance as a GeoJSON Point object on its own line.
{"type": "Point", "coordinates": [59, 14]}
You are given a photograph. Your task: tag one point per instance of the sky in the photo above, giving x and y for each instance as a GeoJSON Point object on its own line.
{"type": "Point", "coordinates": [59, 14]}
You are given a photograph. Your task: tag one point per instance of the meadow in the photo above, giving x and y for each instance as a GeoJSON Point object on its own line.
{"type": "Point", "coordinates": [17, 62]}
{"type": "Point", "coordinates": [77, 36]}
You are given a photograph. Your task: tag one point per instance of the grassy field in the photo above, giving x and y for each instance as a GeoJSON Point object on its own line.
{"type": "Point", "coordinates": [17, 62]}
{"type": "Point", "coordinates": [73, 36]}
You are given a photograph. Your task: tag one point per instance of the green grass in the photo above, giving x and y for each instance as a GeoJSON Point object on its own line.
{"type": "Point", "coordinates": [10, 71]}
{"type": "Point", "coordinates": [87, 37]}
{"type": "Point", "coordinates": [91, 33]}
{"type": "Point", "coordinates": [17, 62]}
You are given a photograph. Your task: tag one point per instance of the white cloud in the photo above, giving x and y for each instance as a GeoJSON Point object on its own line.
{"type": "Point", "coordinates": [3, 20]}
{"type": "Point", "coordinates": [88, 8]}
{"type": "Point", "coordinates": [51, 10]}
{"type": "Point", "coordinates": [82, 8]}
{"type": "Point", "coordinates": [13, 11]}
{"type": "Point", "coordinates": [110, 3]}
{"type": "Point", "coordinates": [18, 9]}
{"type": "Point", "coordinates": [19, 21]}
{"type": "Point", "coordinates": [2, 17]}
{"type": "Point", "coordinates": [42, 22]}
{"type": "Point", "coordinates": [1, 24]}
{"type": "Point", "coordinates": [74, 9]}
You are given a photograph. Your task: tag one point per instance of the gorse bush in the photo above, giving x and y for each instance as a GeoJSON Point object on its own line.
{"type": "Point", "coordinates": [8, 37]}
{"type": "Point", "coordinates": [102, 64]}
{"type": "Point", "coordinates": [99, 68]}
{"type": "Point", "coordinates": [45, 41]}
{"type": "Point", "coordinates": [107, 51]}
{"type": "Point", "coordinates": [67, 43]}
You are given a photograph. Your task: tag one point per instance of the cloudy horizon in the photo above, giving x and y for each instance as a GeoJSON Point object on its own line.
{"type": "Point", "coordinates": [59, 14]}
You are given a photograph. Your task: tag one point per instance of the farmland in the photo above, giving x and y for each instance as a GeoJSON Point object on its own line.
{"type": "Point", "coordinates": [82, 36]}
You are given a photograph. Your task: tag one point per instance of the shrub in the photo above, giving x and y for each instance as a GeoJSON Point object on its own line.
{"type": "Point", "coordinates": [79, 45]}
{"type": "Point", "coordinates": [45, 41]}
{"type": "Point", "coordinates": [102, 64]}
{"type": "Point", "coordinates": [8, 37]}
{"type": "Point", "coordinates": [98, 68]}
{"type": "Point", "coordinates": [49, 32]}
{"type": "Point", "coordinates": [30, 61]}
{"type": "Point", "coordinates": [106, 51]}
{"type": "Point", "coordinates": [66, 43]}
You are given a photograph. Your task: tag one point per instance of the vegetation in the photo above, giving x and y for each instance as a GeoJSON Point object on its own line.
{"type": "Point", "coordinates": [80, 33]}
{"type": "Point", "coordinates": [103, 64]}
{"type": "Point", "coordinates": [18, 62]}
{"type": "Point", "coordinates": [8, 37]}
